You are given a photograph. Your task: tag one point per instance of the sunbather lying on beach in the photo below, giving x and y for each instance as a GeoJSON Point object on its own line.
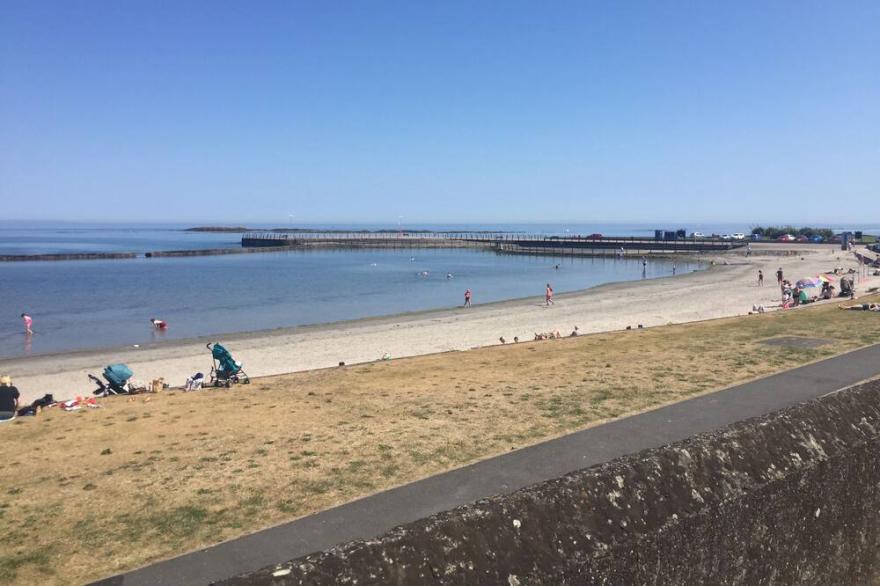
{"type": "Point", "coordinates": [862, 307]}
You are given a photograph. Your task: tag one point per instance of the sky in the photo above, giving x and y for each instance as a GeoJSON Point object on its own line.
{"type": "Point", "coordinates": [440, 111]}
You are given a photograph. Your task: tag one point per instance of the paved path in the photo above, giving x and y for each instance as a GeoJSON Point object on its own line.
{"type": "Point", "coordinates": [374, 515]}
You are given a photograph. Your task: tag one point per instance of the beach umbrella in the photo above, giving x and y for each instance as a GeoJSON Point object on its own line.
{"type": "Point", "coordinates": [808, 282]}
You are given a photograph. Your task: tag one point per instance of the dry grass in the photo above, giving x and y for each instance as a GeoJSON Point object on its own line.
{"type": "Point", "coordinates": [87, 494]}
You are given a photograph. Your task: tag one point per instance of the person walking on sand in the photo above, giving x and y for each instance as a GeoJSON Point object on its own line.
{"type": "Point", "coordinates": [467, 298]}
{"type": "Point", "coordinates": [760, 278]}
{"type": "Point", "coordinates": [548, 295]}
{"type": "Point", "coordinates": [28, 323]}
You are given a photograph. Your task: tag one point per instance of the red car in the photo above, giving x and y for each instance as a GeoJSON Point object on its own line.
{"type": "Point", "coordinates": [802, 238]}
{"type": "Point", "coordinates": [785, 238]}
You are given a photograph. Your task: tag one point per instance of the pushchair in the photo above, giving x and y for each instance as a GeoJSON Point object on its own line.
{"type": "Point", "coordinates": [117, 376]}
{"type": "Point", "coordinates": [225, 371]}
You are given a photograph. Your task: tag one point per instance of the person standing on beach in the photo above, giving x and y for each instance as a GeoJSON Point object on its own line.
{"type": "Point", "coordinates": [28, 323]}
{"type": "Point", "coordinates": [467, 298]}
{"type": "Point", "coordinates": [548, 295]}
{"type": "Point", "coordinates": [673, 269]}
{"type": "Point", "coordinates": [779, 277]}
{"type": "Point", "coordinates": [760, 278]}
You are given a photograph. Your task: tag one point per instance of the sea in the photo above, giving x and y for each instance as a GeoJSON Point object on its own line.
{"type": "Point", "coordinates": [79, 305]}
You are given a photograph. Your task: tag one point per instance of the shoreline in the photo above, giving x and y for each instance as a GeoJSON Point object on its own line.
{"type": "Point", "coordinates": [328, 326]}
{"type": "Point", "coordinates": [715, 292]}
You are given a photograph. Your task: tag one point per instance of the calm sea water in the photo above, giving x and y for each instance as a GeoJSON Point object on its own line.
{"type": "Point", "coordinates": [86, 304]}
{"type": "Point", "coordinates": [82, 304]}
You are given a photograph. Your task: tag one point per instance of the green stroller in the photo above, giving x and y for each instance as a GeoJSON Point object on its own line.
{"type": "Point", "coordinates": [225, 371]}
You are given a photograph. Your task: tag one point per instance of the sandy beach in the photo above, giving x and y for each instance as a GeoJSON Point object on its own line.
{"type": "Point", "coordinates": [726, 289]}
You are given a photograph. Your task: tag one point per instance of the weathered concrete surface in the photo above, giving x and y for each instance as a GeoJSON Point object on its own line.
{"type": "Point", "coordinates": [791, 497]}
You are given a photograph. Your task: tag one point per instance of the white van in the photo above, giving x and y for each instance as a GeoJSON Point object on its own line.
{"type": "Point", "coordinates": [739, 236]}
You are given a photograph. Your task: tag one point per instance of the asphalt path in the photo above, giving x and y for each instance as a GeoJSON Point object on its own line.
{"type": "Point", "coordinates": [374, 515]}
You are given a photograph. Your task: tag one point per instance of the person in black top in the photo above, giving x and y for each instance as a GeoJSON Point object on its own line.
{"type": "Point", "coordinates": [8, 398]}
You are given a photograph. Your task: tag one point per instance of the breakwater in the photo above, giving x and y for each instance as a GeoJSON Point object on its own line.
{"type": "Point", "coordinates": [787, 498]}
{"type": "Point", "coordinates": [507, 243]}
{"type": "Point", "coordinates": [70, 256]}
{"type": "Point", "coordinates": [214, 251]}
{"type": "Point", "coordinates": [510, 243]}
{"type": "Point", "coordinates": [131, 255]}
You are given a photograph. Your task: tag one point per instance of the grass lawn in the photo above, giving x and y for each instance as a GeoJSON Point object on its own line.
{"type": "Point", "coordinates": [87, 494]}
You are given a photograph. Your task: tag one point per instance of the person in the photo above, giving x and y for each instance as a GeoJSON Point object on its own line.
{"type": "Point", "coordinates": [779, 277]}
{"type": "Point", "coordinates": [803, 297]}
{"type": "Point", "coordinates": [749, 249]}
{"type": "Point", "coordinates": [827, 291]}
{"type": "Point", "coordinates": [556, 267]}
{"type": "Point", "coordinates": [448, 275]}
{"type": "Point", "coordinates": [159, 324]}
{"type": "Point", "coordinates": [548, 295]}
{"type": "Point", "coordinates": [760, 278]}
{"type": "Point", "coordinates": [467, 298]}
{"type": "Point", "coordinates": [9, 396]}
{"type": "Point", "coordinates": [644, 263]}
{"type": "Point", "coordinates": [673, 269]}
{"type": "Point", "coordinates": [862, 307]}
{"type": "Point", "coordinates": [28, 323]}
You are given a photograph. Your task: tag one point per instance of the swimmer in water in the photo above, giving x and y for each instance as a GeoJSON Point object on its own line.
{"type": "Point", "coordinates": [159, 324]}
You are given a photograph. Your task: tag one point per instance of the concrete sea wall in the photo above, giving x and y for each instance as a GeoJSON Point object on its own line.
{"type": "Point", "coordinates": [789, 498]}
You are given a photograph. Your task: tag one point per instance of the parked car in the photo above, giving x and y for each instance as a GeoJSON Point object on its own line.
{"type": "Point", "coordinates": [739, 236]}
{"type": "Point", "coordinates": [817, 238]}
{"type": "Point", "coordinates": [697, 235]}
{"type": "Point", "coordinates": [725, 236]}
{"type": "Point", "coordinates": [757, 237]}
{"type": "Point", "coordinates": [785, 238]}
{"type": "Point", "coordinates": [594, 237]}
{"type": "Point", "coordinates": [802, 238]}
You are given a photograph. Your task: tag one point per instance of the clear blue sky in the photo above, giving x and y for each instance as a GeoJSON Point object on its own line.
{"type": "Point", "coordinates": [440, 111]}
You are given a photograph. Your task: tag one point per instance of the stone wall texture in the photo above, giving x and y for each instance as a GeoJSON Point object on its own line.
{"type": "Point", "coordinates": [789, 498]}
